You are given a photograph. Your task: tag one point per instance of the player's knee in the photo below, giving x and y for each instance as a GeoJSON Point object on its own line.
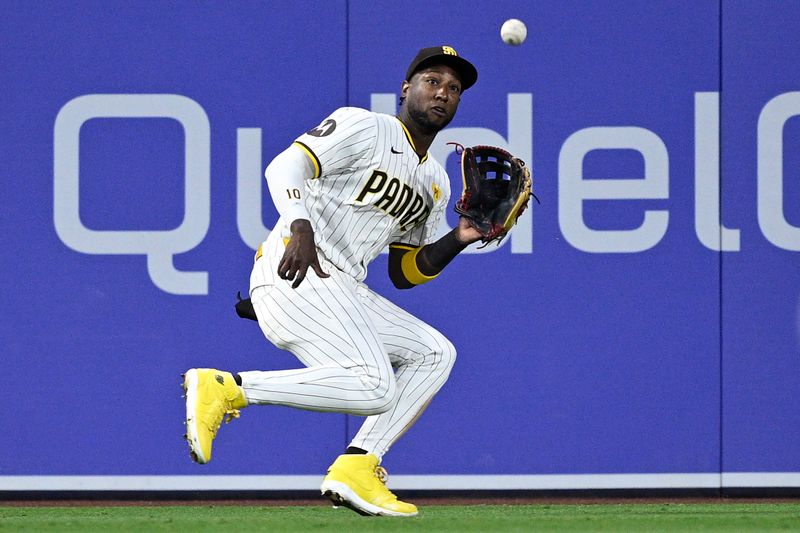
{"type": "Point", "coordinates": [380, 390]}
{"type": "Point", "coordinates": [444, 355]}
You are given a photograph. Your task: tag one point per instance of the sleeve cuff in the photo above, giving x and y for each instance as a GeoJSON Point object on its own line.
{"type": "Point", "coordinates": [295, 211]}
{"type": "Point", "coordinates": [408, 264]}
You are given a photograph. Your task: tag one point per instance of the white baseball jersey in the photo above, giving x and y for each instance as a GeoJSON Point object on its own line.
{"type": "Point", "coordinates": [370, 189]}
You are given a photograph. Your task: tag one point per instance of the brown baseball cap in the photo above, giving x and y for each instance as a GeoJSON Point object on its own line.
{"type": "Point", "coordinates": [445, 55]}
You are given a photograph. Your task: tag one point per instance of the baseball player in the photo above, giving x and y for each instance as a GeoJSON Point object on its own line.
{"type": "Point", "coordinates": [346, 189]}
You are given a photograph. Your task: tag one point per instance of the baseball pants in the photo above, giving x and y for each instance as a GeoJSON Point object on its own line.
{"type": "Point", "coordinates": [363, 355]}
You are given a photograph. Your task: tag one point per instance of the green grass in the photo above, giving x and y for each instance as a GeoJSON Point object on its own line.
{"type": "Point", "coordinates": [538, 517]}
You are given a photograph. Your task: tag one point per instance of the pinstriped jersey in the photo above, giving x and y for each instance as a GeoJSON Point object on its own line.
{"type": "Point", "coordinates": [370, 188]}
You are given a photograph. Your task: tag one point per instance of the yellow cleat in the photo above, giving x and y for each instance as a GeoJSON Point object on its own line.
{"type": "Point", "coordinates": [357, 482]}
{"type": "Point", "coordinates": [210, 396]}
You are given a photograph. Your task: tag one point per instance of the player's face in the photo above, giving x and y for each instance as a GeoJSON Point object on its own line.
{"type": "Point", "coordinates": [432, 96]}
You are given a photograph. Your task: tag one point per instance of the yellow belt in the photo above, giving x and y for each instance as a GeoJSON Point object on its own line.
{"type": "Point", "coordinates": [260, 252]}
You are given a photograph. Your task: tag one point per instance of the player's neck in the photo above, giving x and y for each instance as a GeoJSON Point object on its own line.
{"type": "Point", "coordinates": [422, 139]}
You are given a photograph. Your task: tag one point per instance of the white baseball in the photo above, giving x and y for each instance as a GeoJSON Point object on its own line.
{"type": "Point", "coordinates": [513, 32]}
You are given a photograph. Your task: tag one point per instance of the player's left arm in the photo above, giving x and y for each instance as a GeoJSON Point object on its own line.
{"type": "Point", "coordinates": [410, 265]}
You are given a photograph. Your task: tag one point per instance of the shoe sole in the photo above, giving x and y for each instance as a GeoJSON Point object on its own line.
{"type": "Point", "coordinates": [190, 382]}
{"type": "Point", "coordinates": [343, 496]}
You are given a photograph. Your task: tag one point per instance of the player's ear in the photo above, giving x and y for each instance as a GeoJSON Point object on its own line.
{"type": "Point", "coordinates": [404, 89]}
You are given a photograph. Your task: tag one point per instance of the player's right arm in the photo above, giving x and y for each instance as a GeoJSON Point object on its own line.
{"type": "Point", "coordinates": [285, 176]}
{"type": "Point", "coordinates": [347, 135]}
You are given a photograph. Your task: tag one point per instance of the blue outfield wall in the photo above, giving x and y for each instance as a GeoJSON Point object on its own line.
{"type": "Point", "coordinates": [639, 328]}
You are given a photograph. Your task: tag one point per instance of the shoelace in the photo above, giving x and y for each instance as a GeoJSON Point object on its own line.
{"type": "Point", "coordinates": [383, 477]}
{"type": "Point", "coordinates": [227, 416]}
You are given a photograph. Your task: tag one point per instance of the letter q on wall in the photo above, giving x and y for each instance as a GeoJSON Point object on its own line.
{"type": "Point", "coordinates": [159, 246]}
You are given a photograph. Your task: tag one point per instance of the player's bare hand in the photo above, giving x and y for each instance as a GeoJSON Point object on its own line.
{"type": "Point", "coordinates": [465, 233]}
{"type": "Point", "coordinates": [300, 254]}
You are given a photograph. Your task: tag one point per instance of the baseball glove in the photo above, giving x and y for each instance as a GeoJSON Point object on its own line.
{"type": "Point", "coordinates": [497, 187]}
